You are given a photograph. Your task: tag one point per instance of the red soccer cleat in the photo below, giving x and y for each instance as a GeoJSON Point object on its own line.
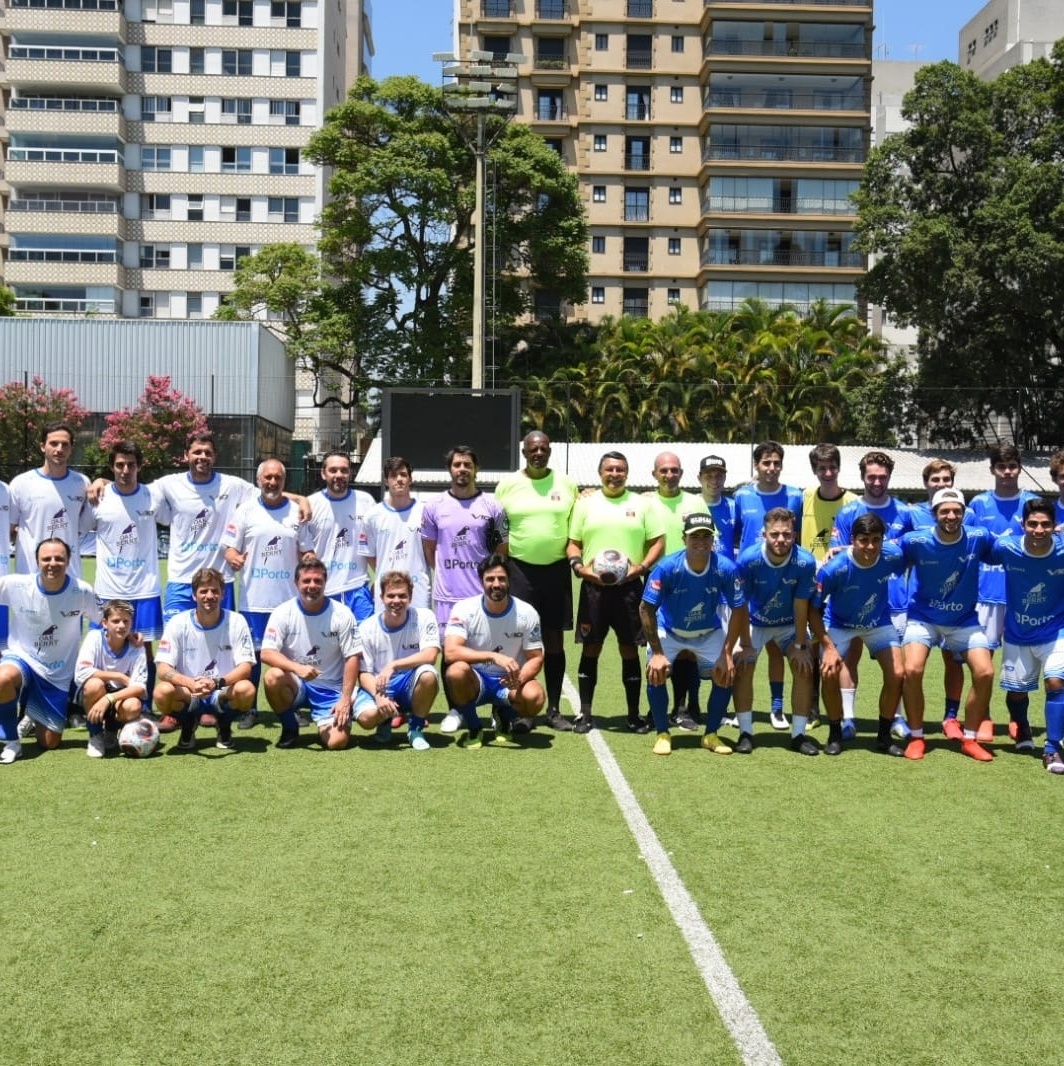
{"type": "Point", "coordinates": [916, 748]}
{"type": "Point", "coordinates": [972, 749]}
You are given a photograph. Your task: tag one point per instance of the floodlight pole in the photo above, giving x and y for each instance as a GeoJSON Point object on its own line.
{"type": "Point", "coordinates": [465, 94]}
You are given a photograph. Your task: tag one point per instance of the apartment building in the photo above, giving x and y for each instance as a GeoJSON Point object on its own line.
{"type": "Point", "coordinates": [147, 145]}
{"type": "Point", "coordinates": [1009, 33]}
{"type": "Point", "coordinates": [716, 141]}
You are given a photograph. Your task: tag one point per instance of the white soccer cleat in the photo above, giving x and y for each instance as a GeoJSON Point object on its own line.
{"type": "Point", "coordinates": [452, 722]}
{"type": "Point", "coordinates": [12, 751]}
{"type": "Point", "coordinates": [97, 747]}
{"type": "Point", "coordinates": [26, 727]}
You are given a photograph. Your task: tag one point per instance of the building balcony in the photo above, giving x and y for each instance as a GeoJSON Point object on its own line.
{"type": "Point", "coordinates": [783, 100]}
{"type": "Point", "coordinates": [635, 263]}
{"type": "Point", "coordinates": [782, 257]}
{"type": "Point", "coordinates": [636, 160]}
{"type": "Point", "coordinates": [637, 112]}
{"type": "Point", "coordinates": [17, 272]}
{"type": "Point", "coordinates": [53, 69]}
{"type": "Point", "coordinates": [549, 111]}
{"type": "Point", "coordinates": [65, 168]}
{"type": "Point", "coordinates": [106, 20]}
{"type": "Point", "coordinates": [781, 153]}
{"type": "Point", "coordinates": [552, 10]}
{"type": "Point", "coordinates": [53, 305]}
{"type": "Point", "coordinates": [787, 49]}
{"type": "Point", "coordinates": [783, 205]}
{"type": "Point", "coordinates": [635, 308]}
{"type": "Point", "coordinates": [86, 120]}
{"type": "Point", "coordinates": [82, 217]}
{"type": "Point", "coordinates": [636, 213]}
{"type": "Point", "coordinates": [496, 9]}
{"type": "Point", "coordinates": [638, 59]}
{"type": "Point", "coordinates": [639, 9]}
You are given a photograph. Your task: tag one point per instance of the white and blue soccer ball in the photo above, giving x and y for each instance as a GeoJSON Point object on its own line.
{"type": "Point", "coordinates": [611, 566]}
{"type": "Point", "coordinates": [139, 739]}
{"type": "Point", "coordinates": [899, 730]}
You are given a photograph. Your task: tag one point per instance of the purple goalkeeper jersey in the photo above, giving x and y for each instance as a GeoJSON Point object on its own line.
{"type": "Point", "coordinates": [462, 531]}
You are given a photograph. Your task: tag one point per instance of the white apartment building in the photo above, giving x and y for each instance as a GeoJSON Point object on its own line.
{"type": "Point", "coordinates": [1008, 33]}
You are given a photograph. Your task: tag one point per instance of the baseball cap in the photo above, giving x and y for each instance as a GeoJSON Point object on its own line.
{"type": "Point", "coordinates": [710, 461]}
{"type": "Point", "coordinates": [946, 496]}
{"type": "Point", "coordinates": [701, 521]}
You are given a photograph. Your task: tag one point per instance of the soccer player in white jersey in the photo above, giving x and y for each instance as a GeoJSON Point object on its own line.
{"type": "Point", "coordinates": [5, 555]}
{"type": "Point", "coordinates": [393, 533]}
{"type": "Point", "coordinates": [127, 547]}
{"type": "Point", "coordinates": [204, 664]}
{"type": "Point", "coordinates": [264, 540]}
{"type": "Point", "coordinates": [111, 677]}
{"type": "Point", "coordinates": [400, 646]}
{"type": "Point", "coordinates": [48, 608]}
{"type": "Point", "coordinates": [50, 501]}
{"type": "Point", "coordinates": [494, 653]}
{"type": "Point", "coordinates": [339, 515]}
{"type": "Point", "coordinates": [313, 651]}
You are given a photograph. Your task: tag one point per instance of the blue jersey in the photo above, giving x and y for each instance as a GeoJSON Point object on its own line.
{"type": "Point", "coordinates": [945, 577]}
{"type": "Point", "coordinates": [1034, 590]}
{"type": "Point", "coordinates": [686, 601]}
{"type": "Point", "coordinates": [1058, 507]}
{"type": "Point", "coordinates": [751, 506]}
{"type": "Point", "coordinates": [725, 517]}
{"type": "Point", "coordinates": [772, 588]}
{"type": "Point", "coordinates": [857, 596]}
{"type": "Point", "coordinates": [1000, 516]}
{"type": "Point", "coordinates": [895, 517]}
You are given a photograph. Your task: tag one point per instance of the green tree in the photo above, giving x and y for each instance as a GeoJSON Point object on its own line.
{"type": "Point", "coordinates": [7, 302]}
{"type": "Point", "coordinates": [24, 410]}
{"type": "Point", "coordinates": [965, 214]}
{"type": "Point", "coordinates": [397, 235]}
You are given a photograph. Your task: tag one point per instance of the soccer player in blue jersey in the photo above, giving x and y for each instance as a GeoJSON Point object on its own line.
{"type": "Point", "coordinates": [1033, 567]}
{"type": "Point", "coordinates": [1056, 472]}
{"type": "Point", "coordinates": [752, 503]}
{"type": "Point", "coordinates": [944, 563]}
{"type": "Point", "coordinates": [779, 578]}
{"type": "Point", "coordinates": [712, 475]}
{"type": "Point", "coordinates": [680, 620]}
{"type": "Point", "coordinates": [998, 511]}
{"type": "Point", "coordinates": [851, 610]}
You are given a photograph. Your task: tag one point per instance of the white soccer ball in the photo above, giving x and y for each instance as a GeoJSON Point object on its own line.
{"type": "Point", "coordinates": [611, 566]}
{"type": "Point", "coordinates": [139, 739]}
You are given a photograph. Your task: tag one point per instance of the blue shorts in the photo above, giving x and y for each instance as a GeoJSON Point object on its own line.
{"type": "Point", "coordinates": [401, 685]}
{"type": "Point", "coordinates": [256, 621]}
{"type": "Point", "coordinates": [360, 601]}
{"type": "Point", "coordinates": [147, 616]}
{"type": "Point", "coordinates": [493, 689]}
{"type": "Point", "coordinates": [46, 703]}
{"type": "Point", "coordinates": [321, 699]}
{"type": "Point", "coordinates": [3, 628]}
{"type": "Point", "coordinates": [179, 598]}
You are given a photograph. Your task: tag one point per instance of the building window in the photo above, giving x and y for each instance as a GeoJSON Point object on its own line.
{"type": "Point", "coordinates": [676, 145]}
{"type": "Point", "coordinates": [293, 64]}
{"type": "Point", "coordinates": [196, 62]}
{"type": "Point", "coordinates": [672, 296]}
{"type": "Point", "coordinates": [237, 109]}
{"type": "Point", "coordinates": [677, 42]}
{"type": "Point", "coordinates": [287, 12]}
{"type": "Point", "coordinates": [598, 294]}
{"type": "Point", "coordinates": [155, 256]}
{"type": "Point", "coordinates": [602, 92]}
{"type": "Point", "coordinates": [194, 304]}
{"type": "Point", "coordinates": [675, 195]}
{"type": "Point", "coordinates": [155, 108]}
{"type": "Point", "coordinates": [284, 160]}
{"type": "Point", "coordinates": [600, 142]}
{"type": "Point", "coordinates": [598, 194]}
{"type": "Point", "coordinates": [155, 205]}
{"type": "Point", "coordinates": [156, 60]}
{"type": "Point", "coordinates": [195, 257]}
{"type": "Point", "coordinates": [598, 245]}
{"type": "Point", "coordinates": [195, 207]}
{"type": "Point", "coordinates": [284, 112]}
{"type": "Point", "coordinates": [243, 209]}
{"type": "Point", "coordinates": [147, 305]}
{"type": "Point", "coordinates": [602, 42]}
{"type": "Point", "coordinates": [637, 205]}
{"type": "Point", "coordinates": [676, 94]}
{"type": "Point", "coordinates": [283, 209]}
{"type": "Point", "coordinates": [236, 61]}
{"type": "Point", "coordinates": [153, 157]}
{"type": "Point", "coordinates": [195, 158]}
{"type": "Point", "coordinates": [674, 246]}
{"type": "Point", "coordinates": [195, 110]}
{"type": "Point", "coordinates": [197, 12]}
{"type": "Point", "coordinates": [229, 255]}
{"type": "Point", "coordinates": [238, 12]}
{"type": "Point", "coordinates": [236, 160]}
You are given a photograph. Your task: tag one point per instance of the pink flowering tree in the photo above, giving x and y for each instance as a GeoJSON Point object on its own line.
{"type": "Point", "coordinates": [24, 411]}
{"type": "Point", "coordinates": [160, 423]}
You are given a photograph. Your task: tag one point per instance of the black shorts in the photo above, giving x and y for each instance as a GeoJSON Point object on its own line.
{"type": "Point", "coordinates": [606, 607]}
{"type": "Point", "coordinates": [548, 587]}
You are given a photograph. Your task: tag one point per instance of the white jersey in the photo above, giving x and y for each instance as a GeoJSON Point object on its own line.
{"type": "Point", "coordinates": [127, 549]}
{"type": "Point", "coordinates": [393, 538]}
{"type": "Point", "coordinates": [199, 512]}
{"type": "Point", "coordinates": [338, 533]}
{"type": "Point", "coordinates": [513, 633]}
{"type": "Point", "coordinates": [273, 539]}
{"type": "Point", "coordinates": [381, 645]}
{"type": "Point", "coordinates": [96, 654]}
{"type": "Point", "coordinates": [197, 652]}
{"type": "Point", "coordinates": [46, 626]}
{"type": "Point", "coordinates": [44, 507]}
{"type": "Point", "coordinates": [325, 640]}
{"type": "Point", "coordinates": [5, 529]}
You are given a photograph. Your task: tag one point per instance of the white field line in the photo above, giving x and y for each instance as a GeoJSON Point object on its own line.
{"type": "Point", "coordinates": [739, 1016]}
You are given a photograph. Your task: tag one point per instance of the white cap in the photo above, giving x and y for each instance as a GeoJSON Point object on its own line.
{"type": "Point", "coordinates": [946, 496]}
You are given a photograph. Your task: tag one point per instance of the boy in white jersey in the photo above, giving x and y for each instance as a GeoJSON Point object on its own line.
{"type": "Point", "coordinates": [393, 533]}
{"type": "Point", "coordinates": [205, 659]}
{"type": "Point", "coordinates": [48, 608]}
{"type": "Point", "coordinates": [111, 677]}
{"type": "Point", "coordinates": [313, 651]}
{"type": "Point", "coordinates": [494, 654]}
{"type": "Point", "coordinates": [400, 646]}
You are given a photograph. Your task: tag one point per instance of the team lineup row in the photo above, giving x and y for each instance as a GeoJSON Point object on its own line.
{"type": "Point", "coordinates": [220, 526]}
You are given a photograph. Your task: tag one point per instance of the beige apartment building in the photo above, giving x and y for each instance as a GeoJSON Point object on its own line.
{"type": "Point", "coordinates": [716, 141]}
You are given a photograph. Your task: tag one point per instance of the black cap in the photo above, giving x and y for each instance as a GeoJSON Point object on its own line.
{"type": "Point", "coordinates": [711, 461]}
{"type": "Point", "coordinates": [700, 520]}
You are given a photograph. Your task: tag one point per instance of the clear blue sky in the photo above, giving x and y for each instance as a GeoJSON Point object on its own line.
{"type": "Point", "coordinates": [407, 32]}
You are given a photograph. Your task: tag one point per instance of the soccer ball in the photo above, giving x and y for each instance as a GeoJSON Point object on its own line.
{"type": "Point", "coordinates": [611, 566]}
{"type": "Point", "coordinates": [139, 739]}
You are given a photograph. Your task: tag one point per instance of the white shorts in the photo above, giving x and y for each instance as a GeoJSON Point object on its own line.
{"type": "Point", "coordinates": [781, 636]}
{"type": "Point", "coordinates": [899, 619]}
{"type": "Point", "coordinates": [992, 619]}
{"type": "Point", "coordinates": [958, 639]}
{"type": "Point", "coordinates": [706, 649]}
{"type": "Point", "coordinates": [1021, 664]}
{"type": "Point", "coordinates": [876, 640]}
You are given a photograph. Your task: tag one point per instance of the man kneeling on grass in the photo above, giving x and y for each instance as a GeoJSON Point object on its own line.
{"type": "Point", "coordinates": [400, 646]}
{"type": "Point", "coordinates": [111, 677]}
{"type": "Point", "coordinates": [494, 654]}
{"type": "Point", "coordinates": [204, 663]}
{"type": "Point", "coordinates": [312, 648]}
